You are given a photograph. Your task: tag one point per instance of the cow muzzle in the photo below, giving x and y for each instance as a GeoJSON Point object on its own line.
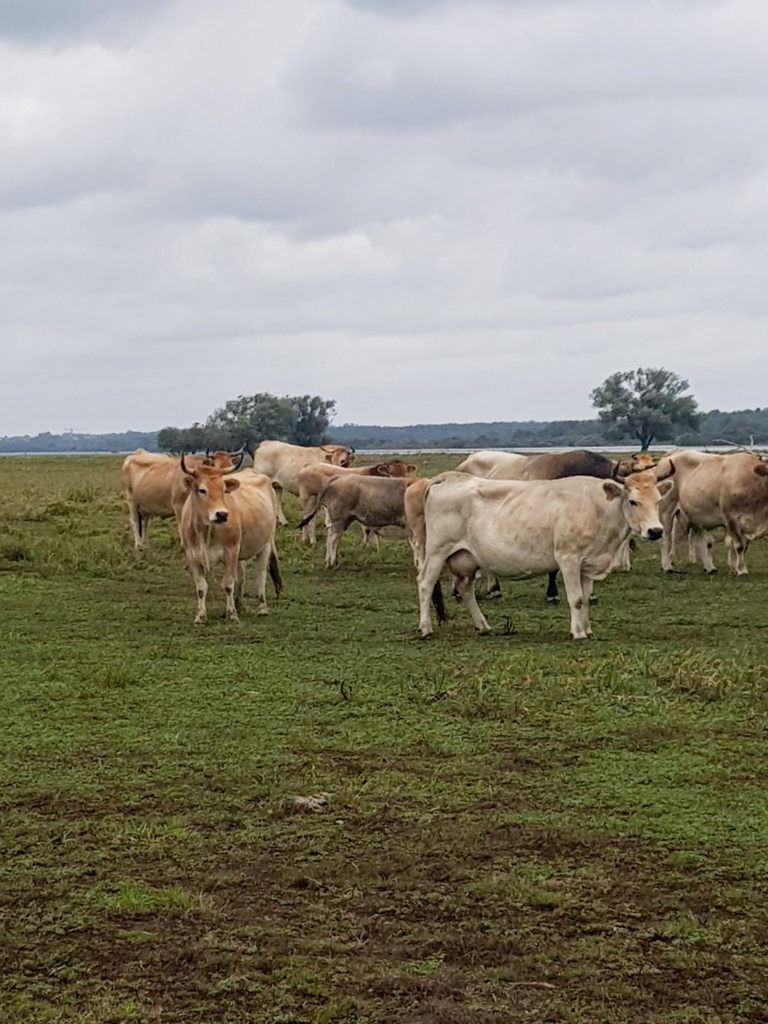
{"type": "Point", "coordinates": [219, 516]}
{"type": "Point", "coordinates": [654, 533]}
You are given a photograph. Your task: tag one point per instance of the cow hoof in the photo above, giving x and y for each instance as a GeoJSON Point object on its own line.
{"type": "Point", "coordinates": [711, 572]}
{"type": "Point", "coordinates": [263, 611]}
{"type": "Point", "coordinates": [553, 601]}
{"type": "Point", "coordinates": [493, 595]}
{"type": "Point", "coordinates": [593, 600]}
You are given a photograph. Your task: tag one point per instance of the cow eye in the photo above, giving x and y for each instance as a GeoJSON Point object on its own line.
{"type": "Point", "coordinates": [633, 501]}
{"type": "Point", "coordinates": [202, 490]}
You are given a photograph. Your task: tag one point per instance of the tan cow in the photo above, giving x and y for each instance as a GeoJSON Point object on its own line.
{"type": "Point", "coordinates": [229, 519]}
{"type": "Point", "coordinates": [711, 490]}
{"type": "Point", "coordinates": [578, 525]}
{"type": "Point", "coordinates": [153, 485]}
{"type": "Point", "coordinates": [374, 501]}
{"type": "Point", "coordinates": [313, 480]}
{"type": "Point", "coordinates": [282, 463]}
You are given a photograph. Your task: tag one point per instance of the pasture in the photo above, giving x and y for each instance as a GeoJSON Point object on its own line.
{"type": "Point", "coordinates": [518, 827]}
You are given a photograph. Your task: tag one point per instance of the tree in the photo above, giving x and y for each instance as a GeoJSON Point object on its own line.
{"type": "Point", "coordinates": [249, 419]}
{"type": "Point", "coordinates": [645, 403]}
{"type": "Point", "coordinates": [313, 417]}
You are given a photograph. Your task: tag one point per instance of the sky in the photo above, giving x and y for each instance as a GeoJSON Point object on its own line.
{"type": "Point", "coordinates": [429, 211]}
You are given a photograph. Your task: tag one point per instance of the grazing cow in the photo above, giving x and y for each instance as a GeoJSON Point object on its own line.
{"type": "Point", "coordinates": [711, 490]}
{"type": "Point", "coordinates": [282, 463]}
{"type": "Point", "coordinates": [153, 485]}
{"type": "Point", "coordinates": [229, 519]}
{"type": "Point", "coordinates": [374, 501]}
{"type": "Point", "coordinates": [494, 465]}
{"type": "Point", "coordinates": [578, 525]}
{"type": "Point", "coordinates": [314, 479]}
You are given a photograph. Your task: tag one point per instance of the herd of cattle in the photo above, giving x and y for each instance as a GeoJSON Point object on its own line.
{"type": "Point", "coordinates": [504, 514]}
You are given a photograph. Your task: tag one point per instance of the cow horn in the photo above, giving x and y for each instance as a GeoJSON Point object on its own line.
{"type": "Point", "coordinates": [237, 460]}
{"type": "Point", "coordinates": [663, 474]}
{"type": "Point", "coordinates": [189, 472]}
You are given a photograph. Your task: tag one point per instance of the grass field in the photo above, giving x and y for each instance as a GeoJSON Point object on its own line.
{"type": "Point", "coordinates": [518, 827]}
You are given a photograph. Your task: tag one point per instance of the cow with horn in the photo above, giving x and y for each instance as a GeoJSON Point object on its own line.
{"type": "Point", "coordinates": [153, 484]}
{"type": "Point", "coordinates": [229, 519]}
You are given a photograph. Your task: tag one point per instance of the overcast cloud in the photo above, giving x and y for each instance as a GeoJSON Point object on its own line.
{"type": "Point", "coordinates": [428, 211]}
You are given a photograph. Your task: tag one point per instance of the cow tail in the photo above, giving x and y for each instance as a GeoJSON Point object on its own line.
{"type": "Point", "coordinates": [439, 603]}
{"type": "Point", "coordinates": [315, 510]}
{"type": "Point", "coordinates": [274, 572]}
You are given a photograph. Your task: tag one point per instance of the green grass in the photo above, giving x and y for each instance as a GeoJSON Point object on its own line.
{"type": "Point", "coordinates": [518, 828]}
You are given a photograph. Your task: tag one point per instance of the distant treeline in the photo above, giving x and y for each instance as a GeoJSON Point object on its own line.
{"type": "Point", "coordinates": [738, 427]}
{"type": "Point", "coordinates": [71, 442]}
{"type": "Point", "coordinates": [715, 425]}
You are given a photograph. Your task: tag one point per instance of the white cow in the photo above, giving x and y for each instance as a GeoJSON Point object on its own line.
{"type": "Point", "coordinates": [578, 525]}
{"type": "Point", "coordinates": [282, 463]}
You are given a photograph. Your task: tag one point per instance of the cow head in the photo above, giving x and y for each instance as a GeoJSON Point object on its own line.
{"type": "Point", "coordinates": [338, 455]}
{"type": "Point", "coordinates": [207, 487]}
{"type": "Point", "coordinates": [640, 493]}
{"type": "Point", "coordinates": [636, 463]}
{"type": "Point", "coordinates": [395, 468]}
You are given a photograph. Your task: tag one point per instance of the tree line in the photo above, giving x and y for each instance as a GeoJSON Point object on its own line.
{"type": "Point", "coordinates": [644, 405]}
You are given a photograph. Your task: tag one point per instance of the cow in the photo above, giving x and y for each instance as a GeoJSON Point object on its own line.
{"type": "Point", "coordinates": [229, 519]}
{"type": "Point", "coordinates": [711, 490]}
{"type": "Point", "coordinates": [374, 501]}
{"type": "Point", "coordinates": [282, 463]}
{"type": "Point", "coordinates": [578, 525]}
{"type": "Point", "coordinates": [313, 480]}
{"type": "Point", "coordinates": [494, 465]}
{"type": "Point", "coordinates": [153, 485]}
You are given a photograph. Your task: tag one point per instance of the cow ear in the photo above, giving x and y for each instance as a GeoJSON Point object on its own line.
{"type": "Point", "coordinates": [666, 486]}
{"type": "Point", "coordinates": [189, 482]}
{"type": "Point", "coordinates": [410, 468]}
{"type": "Point", "coordinates": [761, 469]}
{"type": "Point", "coordinates": [231, 484]}
{"type": "Point", "coordinates": [612, 489]}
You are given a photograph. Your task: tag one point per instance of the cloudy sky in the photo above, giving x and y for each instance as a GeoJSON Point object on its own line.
{"type": "Point", "coordinates": [427, 210]}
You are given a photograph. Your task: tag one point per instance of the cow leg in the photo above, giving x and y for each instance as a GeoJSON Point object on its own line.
{"type": "Point", "coordinates": [261, 564]}
{"type": "Point", "coordinates": [371, 537]}
{"type": "Point", "coordinates": [278, 504]}
{"type": "Point", "coordinates": [552, 596]}
{"type": "Point", "coordinates": [335, 530]}
{"type": "Point", "coordinates": [577, 600]}
{"type": "Point", "coordinates": [624, 560]}
{"type": "Point", "coordinates": [736, 546]}
{"type": "Point", "coordinates": [702, 542]}
{"type": "Point", "coordinates": [240, 587]}
{"type": "Point", "coordinates": [427, 578]}
{"type": "Point", "coordinates": [465, 587]}
{"type": "Point", "coordinates": [201, 589]}
{"type": "Point", "coordinates": [138, 524]}
{"type": "Point", "coordinates": [492, 588]}
{"type": "Point", "coordinates": [228, 584]}
{"type": "Point", "coordinates": [668, 515]}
